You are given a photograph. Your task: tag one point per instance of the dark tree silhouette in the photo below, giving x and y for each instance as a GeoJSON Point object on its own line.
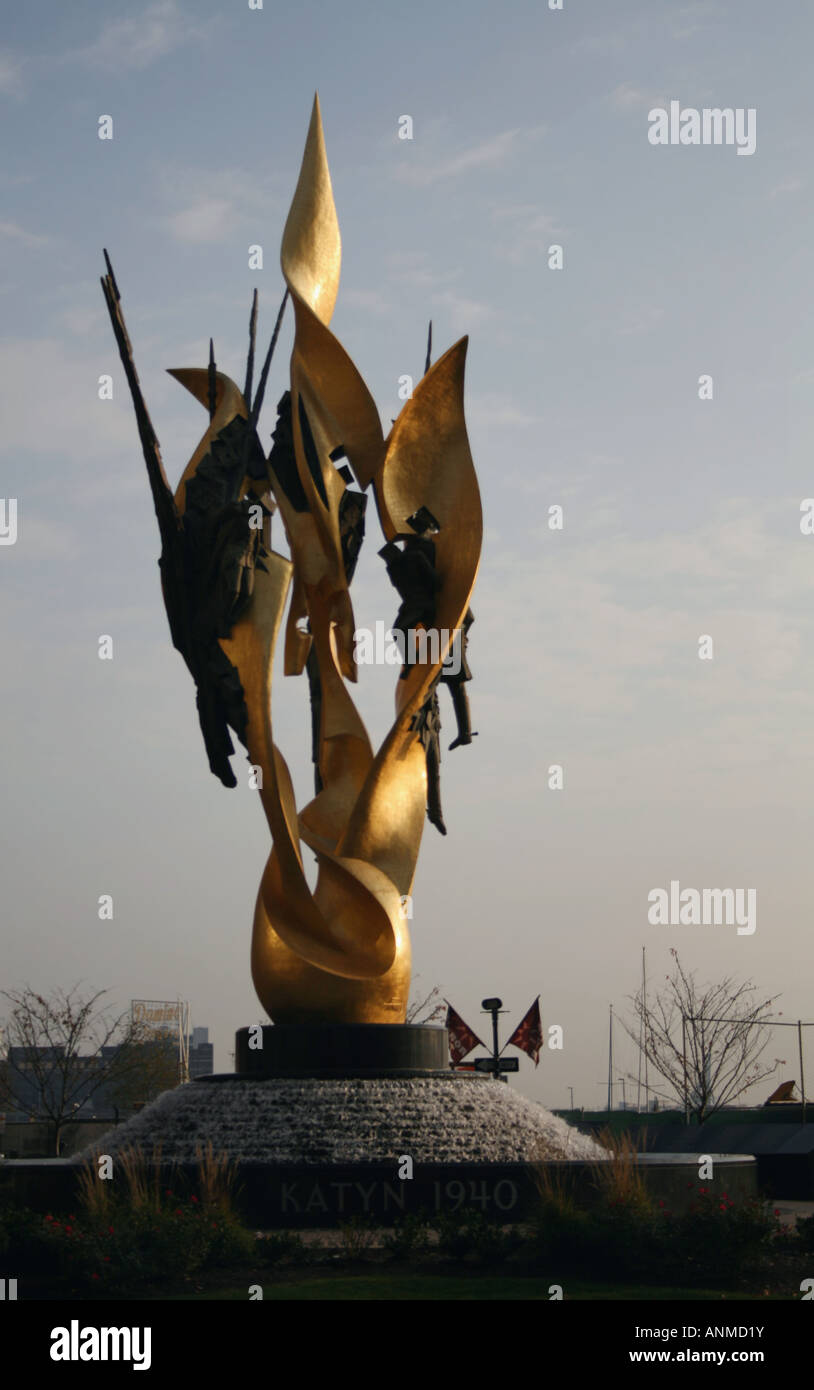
{"type": "Point", "coordinates": [66, 1050]}
{"type": "Point", "coordinates": [725, 1032]}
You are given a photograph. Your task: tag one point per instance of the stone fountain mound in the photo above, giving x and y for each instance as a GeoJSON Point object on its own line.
{"type": "Point", "coordinates": [316, 1149]}
{"type": "Point", "coordinates": [433, 1119]}
{"type": "Point", "coordinates": [349, 1093]}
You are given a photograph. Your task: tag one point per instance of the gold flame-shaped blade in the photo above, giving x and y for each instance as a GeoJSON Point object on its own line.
{"type": "Point", "coordinates": [311, 252]}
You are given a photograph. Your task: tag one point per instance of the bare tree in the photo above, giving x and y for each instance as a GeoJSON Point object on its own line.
{"type": "Point", "coordinates": [428, 1009]}
{"type": "Point", "coordinates": [151, 1066]}
{"type": "Point", "coordinates": [63, 1050]}
{"type": "Point", "coordinates": [723, 1029]}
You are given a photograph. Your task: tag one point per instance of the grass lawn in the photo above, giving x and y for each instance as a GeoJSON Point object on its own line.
{"type": "Point", "coordinates": [342, 1286]}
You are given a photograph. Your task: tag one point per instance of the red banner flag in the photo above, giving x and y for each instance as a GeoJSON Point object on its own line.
{"type": "Point", "coordinates": [461, 1037]}
{"type": "Point", "coordinates": [528, 1035]}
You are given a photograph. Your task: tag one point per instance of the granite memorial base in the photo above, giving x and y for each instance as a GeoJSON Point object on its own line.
{"type": "Point", "coordinates": [327, 1123]}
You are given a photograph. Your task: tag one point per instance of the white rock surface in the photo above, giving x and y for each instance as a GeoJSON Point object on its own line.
{"type": "Point", "coordinates": [434, 1119]}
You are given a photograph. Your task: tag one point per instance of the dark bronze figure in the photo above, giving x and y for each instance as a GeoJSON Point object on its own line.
{"type": "Point", "coordinates": [413, 574]}
{"type": "Point", "coordinates": [455, 681]}
{"type": "Point", "coordinates": [428, 725]}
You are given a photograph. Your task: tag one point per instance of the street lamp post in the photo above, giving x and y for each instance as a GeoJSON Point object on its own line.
{"type": "Point", "coordinates": [493, 1007]}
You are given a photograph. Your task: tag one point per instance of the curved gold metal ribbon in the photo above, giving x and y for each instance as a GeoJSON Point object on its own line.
{"type": "Point", "coordinates": [428, 463]}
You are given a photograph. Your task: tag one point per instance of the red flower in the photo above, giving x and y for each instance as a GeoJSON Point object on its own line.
{"type": "Point", "coordinates": [68, 1230]}
{"type": "Point", "coordinates": [178, 1211]}
{"type": "Point", "coordinates": [193, 1199]}
{"type": "Point", "coordinates": [110, 1230]}
{"type": "Point", "coordinates": [777, 1211]}
{"type": "Point", "coordinates": [94, 1276]}
{"type": "Point", "coordinates": [106, 1257]}
{"type": "Point", "coordinates": [49, 1217]}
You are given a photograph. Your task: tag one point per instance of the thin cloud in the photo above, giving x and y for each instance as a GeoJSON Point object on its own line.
{"type": "Point", "coordinates": [11, 75]}
{"type": "Point", "coordinates": [15, 232]}
{"type": "Point", "coordinates": [497, 410]}
{"type": "Point", "coordinates": [608, 45]}
{"type": "Point", "coordinates": [370, 301]}
{"type": "Point", "coordinates": [237, 201]}
{"type": "Point", "coordinates": [440, 296]}
{"type": "Point", "coordinates": [489, 153]}
{"type": "Point", "coordinates": [420, 278]}
{"type": "Point", "coordinates": [71, 422]}
{"type": "Point", "coordinates": [464, 313]}
{"type": "Point", "coordinates": [526, 232]}
{"type": "Point", "coordinates": [139, 40]}
{"type": "Point", "coordinates": [694, 18]}
{"type": "Point", "coordinates": [640, 319]}
{"type": "Point", "coordinates": [209, 219]}
{"type": "Point", "coordinates": [627, 97]}
{"type": "Point", "coordinates": [790, 185]}
{"type": "Point", "coordinates": [623, 612]}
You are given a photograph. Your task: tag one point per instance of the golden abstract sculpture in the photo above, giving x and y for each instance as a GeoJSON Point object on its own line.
{"type": "Point", "coordinates": [339, 953]}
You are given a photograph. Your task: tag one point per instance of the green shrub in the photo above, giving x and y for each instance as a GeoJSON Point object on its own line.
{"type": "Point", "coordinates": [127, 1246]}
{"type": "Point", "coordinates": [622, 1237]}
{"type": "Point", "coordinates": [410, 1237]}
{"type": "Point", "coordinates": [24, 1241]}
{"type": "Point", "coordinates": [281, 1247]}
{"type": "Point", "coordinates": [805, 1233]}
{"type": "Point", "coordinates": [467, 1234]}
{"type": "Point", "coordinates": [627, 1238]}
{"type": "Point", "coordinates": [357, 1236]}
{"type": "Point", "coordinates": [718, 1240]}
{"type": "Point", "coordinates": [140, 1231]}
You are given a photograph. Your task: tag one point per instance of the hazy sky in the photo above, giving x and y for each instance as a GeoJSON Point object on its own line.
{"type": "Point", "coordinates": [681, 515]}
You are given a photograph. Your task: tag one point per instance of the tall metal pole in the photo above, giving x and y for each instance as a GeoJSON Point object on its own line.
{"type": "Point", "coordinates": [610, 1061]}
{"type": "Point", "coordinates": [646, 1063]}
{"type": "Point", "coordinates": [571, 1089]}
{"type": "Point", "coordinates": [802, 1073]}
{"type": "Point", "coordinates": [493, 1007]}
{"type": "Point", "coordinates": [684, 1059]}
{"type": "Point", "coordinates": [641, 1034]}
{"type": "Point", "coordinates": [495, 1049]}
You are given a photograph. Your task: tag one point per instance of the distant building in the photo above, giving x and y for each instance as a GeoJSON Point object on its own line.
{"type": "Point", "coordinates": [36, 1091]}
{"type": "Point", "coordinates": [29, 1085]}
{"type": "Point", "coordinates": [201, 1054]}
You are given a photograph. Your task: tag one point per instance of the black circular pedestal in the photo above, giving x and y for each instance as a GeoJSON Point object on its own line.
{"type": "Point", "coordinates": [340, 1049]}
